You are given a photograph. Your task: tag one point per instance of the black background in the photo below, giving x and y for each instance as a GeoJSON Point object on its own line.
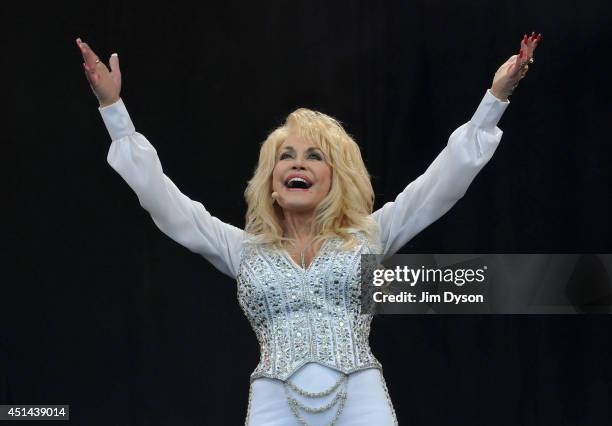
{"type": "Point", "coordinates": [102, 311]}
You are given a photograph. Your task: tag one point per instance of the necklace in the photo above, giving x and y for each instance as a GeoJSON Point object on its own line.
{"type": "Point", "coordinates": [302, 256]}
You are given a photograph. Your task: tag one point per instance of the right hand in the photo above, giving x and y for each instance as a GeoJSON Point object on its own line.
{"type": "Point", "coordinates": [105, 84]}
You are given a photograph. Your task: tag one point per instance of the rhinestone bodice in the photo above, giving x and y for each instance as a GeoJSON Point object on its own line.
{"type": "Point", "coordinates": [306, 315]}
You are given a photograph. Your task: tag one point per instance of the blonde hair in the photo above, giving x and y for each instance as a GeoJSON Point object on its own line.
{"type": "Point", "coordinates": [347, 206]}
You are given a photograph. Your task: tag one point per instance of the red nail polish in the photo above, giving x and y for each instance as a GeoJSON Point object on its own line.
{"type": "Point", "coordinates": [521, 54]}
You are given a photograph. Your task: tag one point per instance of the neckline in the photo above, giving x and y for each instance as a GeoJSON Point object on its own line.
{"type": "Point", "coordinates": [315, 257]}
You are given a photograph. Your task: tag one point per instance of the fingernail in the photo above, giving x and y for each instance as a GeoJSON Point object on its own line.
{"type": "Point", "coordinates": [521, 55]}
{"type": "Point", "coordinates": [114, 54]}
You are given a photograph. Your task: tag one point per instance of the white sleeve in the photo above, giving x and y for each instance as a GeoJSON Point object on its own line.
{"type": "Point", "coordinates": [445, 181]}
{"type": "Point", "coordinates": [185, 221]}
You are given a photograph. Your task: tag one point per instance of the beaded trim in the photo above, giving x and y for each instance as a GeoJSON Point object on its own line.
{"type": "Point", "coordinates": [248, 415]}
{"type": "Point", "coordinates": [384, 385]}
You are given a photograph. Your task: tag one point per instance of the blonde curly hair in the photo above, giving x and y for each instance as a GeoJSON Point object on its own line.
{"type": "Point", "coordinates": [347, 207]}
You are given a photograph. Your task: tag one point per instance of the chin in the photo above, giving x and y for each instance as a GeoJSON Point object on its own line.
{"type": "Point", "coordinates": [299, 207]}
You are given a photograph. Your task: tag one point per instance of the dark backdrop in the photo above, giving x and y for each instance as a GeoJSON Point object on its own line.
{"type": "Point", "coordinates": [102, 311]}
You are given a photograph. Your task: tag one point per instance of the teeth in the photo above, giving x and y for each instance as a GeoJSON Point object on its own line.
{"type": "Point", "coordinates": [291, 181]}
{"type": "Point", "coordinates": [298, 179]}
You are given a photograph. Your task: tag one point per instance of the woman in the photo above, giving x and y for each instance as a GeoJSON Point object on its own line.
{"type": "Point", "coordinates": [296, 263]}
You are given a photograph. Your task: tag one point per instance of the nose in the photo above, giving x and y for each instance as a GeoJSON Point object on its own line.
{"type": "Point", "coordinates": [297, 164]}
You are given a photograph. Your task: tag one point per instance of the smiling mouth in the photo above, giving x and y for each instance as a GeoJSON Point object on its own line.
{"type": "Point", "coordinates": [298, 184]}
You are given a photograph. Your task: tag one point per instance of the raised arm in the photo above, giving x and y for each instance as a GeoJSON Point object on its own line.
{"type": "Point", "coordinates": [135, 159]}
{"type": "Point", "coordinates": [469, 148]}
{"type": "Point", "coordinates": [445, 181]}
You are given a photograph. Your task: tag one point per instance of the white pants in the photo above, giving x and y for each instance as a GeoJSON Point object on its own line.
{"type": "Point", "coordinates": [367, 402]}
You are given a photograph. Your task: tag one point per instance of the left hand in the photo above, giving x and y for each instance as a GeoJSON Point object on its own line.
{"type": "Point", "coordinates": [514, 69]}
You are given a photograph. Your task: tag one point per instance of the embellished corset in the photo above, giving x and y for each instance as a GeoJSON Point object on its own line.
{"type": "Point", "coordinates": [306, 315]}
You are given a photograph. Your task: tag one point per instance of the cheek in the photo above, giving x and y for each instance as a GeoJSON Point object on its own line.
{"type": "Point", "coordinates": [327, 177]}
{"type": "Point", "coordinates": [276, 172]}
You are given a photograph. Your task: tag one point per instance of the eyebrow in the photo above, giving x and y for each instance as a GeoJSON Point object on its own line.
{"type": "Point", "coordinates": [290, 148]}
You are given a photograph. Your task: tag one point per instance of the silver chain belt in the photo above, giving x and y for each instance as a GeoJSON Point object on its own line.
{"type": "Point", "coordinates": [296, 405]}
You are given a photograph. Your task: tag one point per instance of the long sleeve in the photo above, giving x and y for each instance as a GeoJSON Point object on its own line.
{"type": "Point", "coordinates": [445, 181]}
{"type": "Point", "coordinates": [185, 221]}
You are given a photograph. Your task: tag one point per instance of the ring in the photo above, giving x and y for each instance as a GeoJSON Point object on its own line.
{"type": "Point", "coordinates": [97, 61]}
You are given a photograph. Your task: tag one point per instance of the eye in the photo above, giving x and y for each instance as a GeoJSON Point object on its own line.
{"type": "Point", "coordinates": [314, 155]}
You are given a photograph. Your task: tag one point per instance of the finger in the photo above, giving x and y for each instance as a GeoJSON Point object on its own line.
{"type": "Point", "coordinates": [115, 71]}
{"type": "Point", "coordinates": [531, 45]}
{"type": "Point", "coordinates": [528, 53]}
{"type": "Point", "coordinates": [536, 42]}
{"type": "Point", "coordinates": [114, 63]}
{"type": "Point", "coordinates": [92, 77]}
{"type": "Point", "coordinates": [533, 40]}
{"type": "Point", "coordinates": [88, 54]}
{"type": "Point", "coordinates": [523, 50]}
{"type": "Point", "coordinates": [525, 45]}
{"type": "Point", "coordinates": [89, 71]}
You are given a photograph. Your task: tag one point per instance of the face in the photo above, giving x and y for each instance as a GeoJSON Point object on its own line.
{"type": "Point", "coordinates": [300, 158]}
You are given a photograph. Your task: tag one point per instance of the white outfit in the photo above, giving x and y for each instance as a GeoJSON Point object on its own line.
{"type": "Point", "coordinates": [306, 320]}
